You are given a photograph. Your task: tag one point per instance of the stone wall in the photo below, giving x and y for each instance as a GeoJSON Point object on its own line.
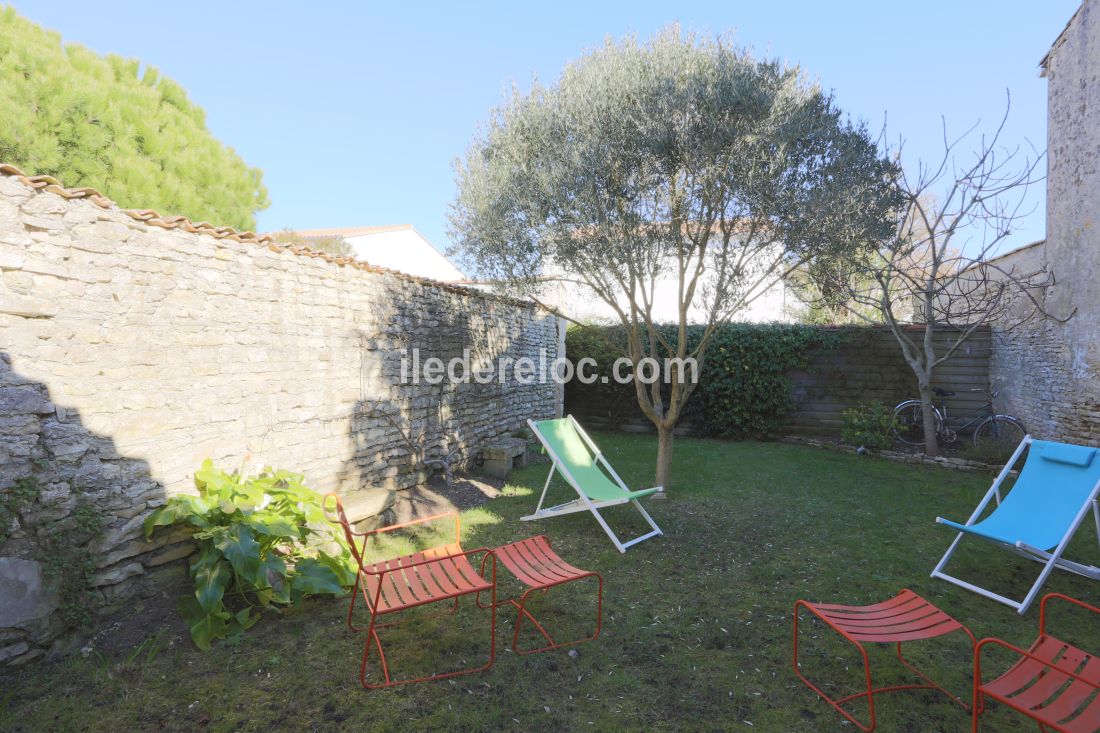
{"type": "Point", "coordinates": [1029, 361]}
{"type": "Point", "coordinates": [129, 353]}
{"type": "Point", "coordinates": [1051, 370]}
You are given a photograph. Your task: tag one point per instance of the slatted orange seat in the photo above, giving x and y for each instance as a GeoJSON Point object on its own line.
{"type": "Point", "coordinates": [433, 575]}
{"type": "Point", "coordinates": [442, 573]}
{"type": "Point", "coordinates": [1053, 683]}
{"type": "Point", "coordinates": [904, 618]}
{"type": "Point", "coordinates": [535, 564]}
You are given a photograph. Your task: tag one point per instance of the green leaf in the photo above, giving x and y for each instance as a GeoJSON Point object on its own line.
{"type": "Point", "coordinates": [210, 583]}
{"type": "Point", "coordinates": [165, 515]}
{"type": "Point", "coordinates": [343, 565]}
{"type": "Point", "coordinates": [246, 618]}
{"type": "Point", "coordinates": [274, 574]}
{"type": "Point", "coordinates": [273, 525]}
{"type": "Point", "coordinates": [184, 508]}
{"type": "Point", "coordinates": [246, 498]}
{"type": "Point", "coordinates": [205, 626]}
{"type": "Point", "coordinates": [274, 570]}
{"type": "Point", "coordinates": [193, 510]}
{"type": "Point", "coordinates": [208, 556]}
{"type": "Point", "coordinates": [312, 577]}
{"type": "Point", "coordinates": [210, 481]}
{"type": "Point", "coordinates": [240, 548]}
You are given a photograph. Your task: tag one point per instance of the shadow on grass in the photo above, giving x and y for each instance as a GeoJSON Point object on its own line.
{"type": "Point", "coordinates": [697, 624]}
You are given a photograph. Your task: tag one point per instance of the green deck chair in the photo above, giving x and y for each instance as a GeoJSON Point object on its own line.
{"type": "Point", "coordinates": [578, 460]}
{"type": "Point", "coordinates": [1057, 487]}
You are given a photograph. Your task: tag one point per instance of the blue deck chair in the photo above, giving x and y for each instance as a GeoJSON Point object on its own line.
{"type": "Point", "coordinates": [576, 457]}
{"type": "Point", "coordinates": [1037, 519]}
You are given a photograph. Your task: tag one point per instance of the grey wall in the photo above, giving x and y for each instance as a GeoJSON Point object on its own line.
{"type": "Point", "coordinates": [129, 353]}
{"type": "Point", "coordinates": [1052, 370]}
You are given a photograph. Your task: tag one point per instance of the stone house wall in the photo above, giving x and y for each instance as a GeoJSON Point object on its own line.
{"type": "Point", "coordinates": [1051, 370]}
{"type": "Point", "coordinates": [129, 353]}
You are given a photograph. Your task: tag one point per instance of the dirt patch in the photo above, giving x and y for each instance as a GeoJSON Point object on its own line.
{"type": "Point", "coordinates": [437, 497]}
{"type": "Point", "coordinates": [951, 455]}
{"type": "Point", "coordinates": [153, 620]}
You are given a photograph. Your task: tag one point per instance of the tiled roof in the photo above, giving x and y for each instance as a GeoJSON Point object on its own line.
{"type": "Point", "coordinates": [1045, 62]}
{"type": "Point", "coordinates": [148, 216]}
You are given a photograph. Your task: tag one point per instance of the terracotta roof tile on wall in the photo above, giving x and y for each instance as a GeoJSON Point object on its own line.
{"type": "Point", "coordinates": [148, 216]}
{"type": "Point", "coordinates": [1045, 61]}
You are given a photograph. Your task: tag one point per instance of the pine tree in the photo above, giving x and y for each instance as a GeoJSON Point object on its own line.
{"type": "Point", "coordinates": [106, 123]}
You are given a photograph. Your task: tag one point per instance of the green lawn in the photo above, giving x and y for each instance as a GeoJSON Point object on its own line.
{"type": "Point", "coordinates": [697, 623]}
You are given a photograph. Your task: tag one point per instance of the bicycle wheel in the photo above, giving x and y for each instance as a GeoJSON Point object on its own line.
{"type": "Point", "coordinates": [997, 437]}
{"type": "Point", "coordinates": [909, 422]}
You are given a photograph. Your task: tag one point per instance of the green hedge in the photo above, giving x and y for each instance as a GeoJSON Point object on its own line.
{"type": "Point", "coordinates": [744, 390]}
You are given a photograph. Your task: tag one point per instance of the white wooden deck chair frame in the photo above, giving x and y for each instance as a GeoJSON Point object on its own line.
{"type": "Point", "coordinates": [1049, 560]}
{"type": "Point", "coordinates": [583, 502]}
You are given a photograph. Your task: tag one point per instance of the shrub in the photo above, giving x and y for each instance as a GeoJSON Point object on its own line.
{"type": "Point", "coordinates": [870, 425]}
{"type": "Point", "coordinates": [744, 391]}
{"type": "Point", "coordinates": [604, 344]}
{"type": "Point", "coordinates": [258, 542]}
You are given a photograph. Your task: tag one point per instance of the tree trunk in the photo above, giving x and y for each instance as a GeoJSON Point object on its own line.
{"type": "Point", "coordinates": [664, 455]}
{"type": "Point", "coordinates": [928, 412]}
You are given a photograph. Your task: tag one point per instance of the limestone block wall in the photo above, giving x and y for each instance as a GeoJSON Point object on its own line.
{"type": "Point", "coordinates": [1030, 361]}
{"type": "Point", "coordinates": [1051, 370]}
{"type": "Point", "coordinates": [129, 353]}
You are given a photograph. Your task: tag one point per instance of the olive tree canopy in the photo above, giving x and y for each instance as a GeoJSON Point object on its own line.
{"type": "Point", "coordinates": [683, 158]}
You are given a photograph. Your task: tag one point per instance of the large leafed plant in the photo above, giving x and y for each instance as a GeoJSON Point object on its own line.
{"type": "Point", "coordinates": [264, 543]}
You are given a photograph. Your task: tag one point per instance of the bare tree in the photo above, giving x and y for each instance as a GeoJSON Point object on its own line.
{"type": "Point", "coordinates": [938, 273]}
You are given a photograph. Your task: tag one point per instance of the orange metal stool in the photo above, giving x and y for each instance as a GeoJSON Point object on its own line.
{"type": "Point", "coordinates": [906, 617]}
{"type": "Point", "coordinates": [536, 565]}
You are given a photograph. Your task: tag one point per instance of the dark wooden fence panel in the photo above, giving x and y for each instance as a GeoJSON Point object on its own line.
{"type": "Point", "coordinates": [867, 367]}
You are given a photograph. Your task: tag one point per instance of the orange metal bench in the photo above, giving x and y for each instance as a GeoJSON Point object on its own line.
{"type": "Point", "coordinates": [442, 573]}
{"type": "Point", "coordinates": [904, 618]}
{"type": "Point", "coordinates": [535, 564]}
{"type": "Point", "coordinates": [1054, 683]}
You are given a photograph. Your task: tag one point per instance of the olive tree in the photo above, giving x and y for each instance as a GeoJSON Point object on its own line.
{"type": "Point", "coordinates": [679, 157]}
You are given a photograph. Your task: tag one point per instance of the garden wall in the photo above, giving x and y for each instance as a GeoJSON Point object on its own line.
{"type": "Point", "coordinates": [1051, 369]}
{"type": "Point", "coordinates": [130, 351]}
{"type": "Point", "coordinates": [860, 365]}
{"type": "Point", "coordinates": [870, 367]}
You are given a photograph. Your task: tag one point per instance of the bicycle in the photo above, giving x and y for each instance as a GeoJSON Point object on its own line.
{"type": "Point", "coordinates": [992, 428]}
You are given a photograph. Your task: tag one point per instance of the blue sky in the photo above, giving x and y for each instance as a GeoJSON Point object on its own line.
{"type": "Point", "coordinates": [355, 110]}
